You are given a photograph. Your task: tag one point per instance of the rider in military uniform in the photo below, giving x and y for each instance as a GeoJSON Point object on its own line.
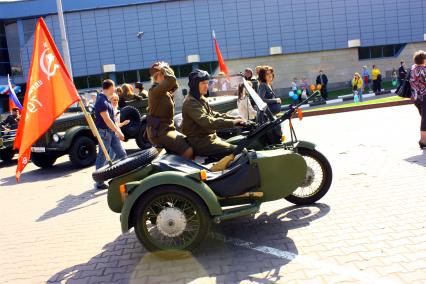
{"type": "Point", "coordinates": [200, 122]}
{"type": "Point", "coordinates": [160, 125]}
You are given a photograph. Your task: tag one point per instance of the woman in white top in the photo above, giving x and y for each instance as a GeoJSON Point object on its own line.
{"type": "Point", "coordinates": [245, 109]}
{"type": "Point", "coordinates": [114, 101]}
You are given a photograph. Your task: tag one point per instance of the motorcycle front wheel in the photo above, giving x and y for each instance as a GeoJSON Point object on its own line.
{"type": "Point", "coordinates": [318, 179]}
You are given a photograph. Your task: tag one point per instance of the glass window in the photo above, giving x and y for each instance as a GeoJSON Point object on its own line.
{"type": "Point", "coordinates": [376, 52]}
{"type": "Point", "coordinates": [119, 78]}
{"type": "Point", "coordinates": [4, 69]}
{"type": "Point", "coordinates": [205, 66]}
{"type": "Point", "coordinates": [176, 70]}
{"type": "Point", "coordinates": [81, 82]}
{"type": "Point", "coordinates": [94, 81]}
{"type": "Point", "coordinates": [388, 51]}
{"type": "Point", "coordinates": [29, 27]}
{"type": "Point", "coordinates": [130, 76]}
{"type": "Point", "coordinates": [4, 55]}
{"type": "Point", "coordinates": [398, 48]}
{"type": "Point", "coordinates": [364, 53]}
{"type": "Point", "coordinates": [144, 75]}
{"type": "Point", "coordinates": [185, 69]}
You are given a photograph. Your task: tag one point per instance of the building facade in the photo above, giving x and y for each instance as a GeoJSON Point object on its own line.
{"type": "Point", "coordinates": [298, 37]}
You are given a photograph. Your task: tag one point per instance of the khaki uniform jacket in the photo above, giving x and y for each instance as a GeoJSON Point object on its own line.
{"type": "Point", "coordinates": [161, 104]}
{"type": "Point", "coordinates": [199, 124]}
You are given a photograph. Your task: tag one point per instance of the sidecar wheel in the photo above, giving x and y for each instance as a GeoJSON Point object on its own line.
{"type": "Point", "coordinates": [318, 178]}
{"type": "Point", "coordinates": [171, 218]}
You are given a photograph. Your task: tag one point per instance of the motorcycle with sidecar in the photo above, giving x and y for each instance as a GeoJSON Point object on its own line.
{"type": "Point", "coordinates": [171, 201]}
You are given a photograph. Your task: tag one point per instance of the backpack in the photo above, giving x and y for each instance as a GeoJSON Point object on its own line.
{"type": "Point", "coordinates": [404, 90]}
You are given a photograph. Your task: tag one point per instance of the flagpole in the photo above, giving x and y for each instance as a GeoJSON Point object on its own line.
{"type": "Point", "coordinates": [67, 60]}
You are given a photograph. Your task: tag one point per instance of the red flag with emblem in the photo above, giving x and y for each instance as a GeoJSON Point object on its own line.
{"type": "Point", "coordinates": [50, 91]}
{"type": "Point", "coordinates": [222, 65]}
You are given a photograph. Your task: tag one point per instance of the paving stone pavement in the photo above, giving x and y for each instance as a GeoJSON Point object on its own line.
{"type": "Point", "coordinates": [369, 228]}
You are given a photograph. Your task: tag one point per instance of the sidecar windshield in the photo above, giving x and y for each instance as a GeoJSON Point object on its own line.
{"type": "Point", "coordinates": [261, 105]}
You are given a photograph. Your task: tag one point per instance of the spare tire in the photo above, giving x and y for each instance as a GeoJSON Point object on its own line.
{"type": "Point", "coordinates": [140, 139]}
{"type": "Point", "coordinates": [123, 166]}
{"type": "Point", "coordinates": [131, 113]}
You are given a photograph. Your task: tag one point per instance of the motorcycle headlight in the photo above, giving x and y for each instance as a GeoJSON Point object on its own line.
{"type": "Point", "coordinates": [56, 137]}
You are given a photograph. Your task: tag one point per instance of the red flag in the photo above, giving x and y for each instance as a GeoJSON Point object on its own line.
{"type": "Point", "coordinates": [50, 91]}
{"type": "Point", "coordinates": [222, 65]}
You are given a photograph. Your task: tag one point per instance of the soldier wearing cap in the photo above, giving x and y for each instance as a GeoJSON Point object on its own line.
{"type": "Point", "coordinates": [160, 125]}
{"type": "Point", "coordinates": [200, 122]}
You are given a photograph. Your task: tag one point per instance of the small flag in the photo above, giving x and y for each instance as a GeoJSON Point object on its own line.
{"type": "Point", "coordinates": [13, 99]}
{"type": "Point", "coordinates": [50, 91]}
{"type": "Point", "coordinates": [222, 65]}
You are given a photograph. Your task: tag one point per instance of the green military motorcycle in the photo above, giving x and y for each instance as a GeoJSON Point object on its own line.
{"type": "Point", "coordinates": [172, 201]}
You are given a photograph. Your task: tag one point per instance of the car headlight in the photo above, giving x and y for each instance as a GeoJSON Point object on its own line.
{"type": "Point", "coordinates": [56, 137]}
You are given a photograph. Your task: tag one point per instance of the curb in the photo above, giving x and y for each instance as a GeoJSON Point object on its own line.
{"type": "Point", "coordinates": [344, 98]}
{"type": "Point", "coordinates": [355, 108]}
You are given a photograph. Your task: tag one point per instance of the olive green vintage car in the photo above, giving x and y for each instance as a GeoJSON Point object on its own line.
{"type": "Point", "coordinates": [6, 146]}
{"type": "Point", "coordinates": [70, 133]}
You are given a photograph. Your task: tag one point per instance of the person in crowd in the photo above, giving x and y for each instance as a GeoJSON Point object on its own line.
{"type": "Point", "coordinates": [114, 101]}
{"type": "Point", "coordinates": [323, 81]}
{"type": "Point", "coordinates": [119, 92]}
{"type": "Point", "coordinates": [265, 91]}
{"type": "Point", "coordinates": [257, 69]}
{"type": "Point", "coordinates": [418, 87]}
{"type": "Point", "coordinates": [223, 82]}
{"type": "Point", "coordinates": [109, 132]}
{"type": "Point", "coordinates": [91, 102]}
{"type": "Point", "coordinates": [357, 85]}
{"type": "Point", "coordinates": [245, 108]}
{"type": "Point", "coordinates": [304, 86]}
{"type": "Point", "coordinates": [248, 75]}
{"type": "Point", "coordinates": [140, 90]}
{"type": "Point", "coordinates": [402, 73]}
{"type": "Point", "coordinates": [129, 94]}
{"type": "Point", "coordinates": [294, 85]}
{"type": "Point", "coordinates": [11, 122]}
{"type": "Point", "coordinates": [200, 122]}
{"type": "Point", "coordinates": [376, 76]}
{"type": "Point", "coordinates": [160, 125]}
{"type": "Point", "coordinates": [394, 75]}
{"type": "Point", "coordinates": [365, 75]}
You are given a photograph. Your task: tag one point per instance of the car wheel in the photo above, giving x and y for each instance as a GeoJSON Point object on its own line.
{"type": "Point", "coordinates": [43, 160]}
{"type": "Point", "coordinates": [7, 155]}
{"type": "Point", "coordinates": [83, 151]}
{"type": "Point", "coordinates": [318, 178]}
{"type": "Point", "coordinates": [140, 139]}
{"type": "Point", "coordinates": [171, 218]}
{"type": "Point", "coordinates": [131, 113]}
{"type": "Point", "coordinates": [125, 165]}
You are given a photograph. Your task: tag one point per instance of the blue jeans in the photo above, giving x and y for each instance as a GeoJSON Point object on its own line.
{"type": "Point", "coordinates": [113, 146]}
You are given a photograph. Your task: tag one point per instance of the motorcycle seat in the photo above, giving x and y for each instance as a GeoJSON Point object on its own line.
{"type": "Point", "coordinates": [238, 178]}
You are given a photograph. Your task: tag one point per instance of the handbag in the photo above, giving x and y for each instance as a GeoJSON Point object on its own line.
{"type": "Point", "coordinates": [404, 90]}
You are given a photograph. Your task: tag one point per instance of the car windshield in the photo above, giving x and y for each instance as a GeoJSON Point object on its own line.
{"type": "Point", "coordinates": [228, 86]}
{"type": "Point", "coordinates": [224, 85]}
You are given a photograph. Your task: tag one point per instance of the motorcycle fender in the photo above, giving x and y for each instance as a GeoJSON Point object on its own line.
{"type": "Point", "coordinates": [281, 172]}
{"type": "Point", "coordinates": [302, 144]}
{"type": "Point", "coordinates": [168, 178]}
{"type": "Point", "coordinates": [67, 139]}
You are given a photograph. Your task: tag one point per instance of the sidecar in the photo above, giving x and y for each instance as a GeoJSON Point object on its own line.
{"type": "Point", "coordinates": [171, 201]}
